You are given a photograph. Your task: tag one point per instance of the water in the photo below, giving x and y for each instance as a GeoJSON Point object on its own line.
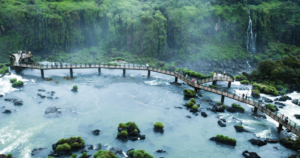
{"type": "Point", "coordinates": [102, 102]}
{"type": "Point", "coordinates": [251, 37]}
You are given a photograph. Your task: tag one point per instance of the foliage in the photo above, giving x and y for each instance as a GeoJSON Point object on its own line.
{"type": "Point", "coordinates": [64, 146]}
{"type": "Point", "coordinates": [240, 77]}
{"type": "Point", "coordinates": [122, 125]}
{"type": "Point", "coordinates": [74, 155]}
{"type": "Point", "coordinates": [139, 154]}
{"type": "Point", "coordinates": [193, 100]}
{"type": "Point", "coordinates": [136, 130]}
{"type": "Point", "coordinates": [84, 155]}
{"type": "Point", "coordinates": [223, 106]}
{"type": "Point", "coordinates": [195, 107]}
{"type": "Point", "coordinates": [271, 107]}
{"type": "Point", "coordinates": [68, 144]}
{"type": "Point", "coordinates": [123, 133]}
{"type": "Point", "coordinates": [189, 104]}
{"type": "Point", "coordinates": [213, 86]}
{"type": "Point", "coordinates": [256, 92]}
{"type": "Point", "coordinates": [75, 87]}
{"type": "Point", "coordinates": [225, 138]}
{"type": "Point", "coordinates": [105, 154]}
{"type": "Point", "coordinates": [118, 58]}
{"type": "Point", "coordinates": [189, 93]}
{"type": "Point", "coordinates": [9, 155]}
{"type": "Point", "coordinates": [4, 70]}
{"type": "Point", "coordinates": [17, 84]}
{"type": "Point", "coordinates": [245, 82]}
{"type": "Point", "coordinates": [237, 106]}
{"type": "Point", "coordinates": [131, 125]}
{"type": "Point", "coordinates": [159, 125]}
{"type": "Point", "coordinates": [240, 126]}
{"type": "Point", "coordinates": [13, 80]}
{"type": "Point", "coordinates": [194, 74]}
{"type": "Point", "coordinates": [52, 157]}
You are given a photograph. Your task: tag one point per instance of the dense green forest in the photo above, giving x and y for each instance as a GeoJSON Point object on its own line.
{"type": "Point", "coordinates": [90, 30]}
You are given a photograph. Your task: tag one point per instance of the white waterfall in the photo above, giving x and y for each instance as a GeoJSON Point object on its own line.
{"type": "Point", "coordinates": [251, 37]}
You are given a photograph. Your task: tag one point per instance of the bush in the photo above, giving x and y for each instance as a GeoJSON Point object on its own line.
{"type": "Point", "coordinates": [189, 104]}
{"type": "Point", "coordinates": [73, 155]}
{"type": "Point", "coordinates": [195, 107]}
{"type": "Point", "coordinates": [240, 77]}
{"type": "Point", "coordinates": [213, 86]}
{"type": "Point", "coordinates": [282, 93]}
{"type": "Point", "coordinates": [18, 84]}
{"type": "Point", "coordinates": [219, 103]}
{"type": "Point", "coordinates": [68, 144]}
{"type": "Point", "coordinates": [159, 125]}
{"type": "Point", "coordinates": [123, 133]}
{"type": "Point", "coordinates": [189, 93]}
{"type": "Point", "coordinates": [245, 82]}
{"type": "Point", "coordinates": [256, 92]}
{"type": "Point", "coordinates": [84, 155]}
{"type": "Point", "coordinates": [105, 154]}
{"type": "Point", "coordinates": [131, 124]}
{"type": "Point", "coordinates": [240, 126]}
{"type": "Point", "coordinates": [75, 87]}
{"type": "Point", "coordinates": [51, 157]}
{"type": "Point", "coordinates": [136, 131]}
{"type": "Point", "coordinates": [9, 155]}
{"type": "Point", "coordinates": [194, 74]}
{"type": "Point", "coordinates": [225, 138]}
{"type": "Point", "coordinates": [13, 80]}
{"type": "Point", "coordinates": [223, 106]}
{"type": "Point", "coordinates": [271, 107]}
{"type": "Point", "coordinates": [193, 100]}
{"type": "Point", "coordinates": [122, 125]}
{"type": "Point", "coordinates": [139, 154]}
{"type": "Point", "coordinates": [4, 70]}
{"type": "Point", "coordinates": [237, 106]}
{"type": "Point", "coordinates": [64, 146]}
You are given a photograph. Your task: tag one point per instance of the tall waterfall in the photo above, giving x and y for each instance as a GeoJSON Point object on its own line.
{"type": "Point", "coordinates": [251, 37]}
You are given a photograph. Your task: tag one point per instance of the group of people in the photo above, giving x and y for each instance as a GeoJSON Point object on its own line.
{"type": "Point", "coordinates": [243, 95]}
{"type": "Point", "coordinates": [286, 119]}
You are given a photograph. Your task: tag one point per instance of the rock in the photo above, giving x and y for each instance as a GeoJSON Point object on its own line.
{"type": "Point", "coordinates": [295, 101]}
{"type": "Point", "coordinates": [42, 90]}
{"type": "Point", "coordinates": [90, 147]}
{"type": "Point", "coordinates": [254, 95]}
{"type": "Point", "coordinates": [129, 151]}
{"type": "Point", "coordinates": [233, 110]}
{"type": "Point", "coordinates": [221, 123]}
{"type": "Point", "coordinates": [98, 146]}
{"type": "Point", "coordinates": [52, 92]}
{"type": "Point", "coordinates": [269, 140]}
{"type": "Point", "coordinates": [161, 64]}
{"type": "Point", "coordinates": [276, 99]}
{"type": "Point", "coordinates": [258, 114]}
{"type": "Point", "coordinates": [193, 110]}
{"type": "Point", "coordinates": [171, 68]}
{"type": "Point", "coordinates": [297, 116]}
{"type": "Point", "coordinates": [49, 97]}
{"type": "Point", "coordinates": [257, 142]}
{"type": "Point", "coordinates": [188, 116]}
{"type": "Point", "coordinates": [160, 151]}
{"type": "Point", "coordinates": [74, 90]}
{"type": "Point", "coordinates": [83, 150]}
{"type": "Point", "coordinates": [248, 154]}
{"type": "Point", "coordinates": [223, 120]}
{"type": "Point", "coordinates": [96, 132]}
{"type": "Point", "coordinates": [15, 101]}
{"type": "Point", "coordinates": [178, 107]}
{"type": "Point", "coordinates": [52, 110]}
{"type": "Point", "coordinates": [240, 129]}
{"type": "Point", "coordinates": [267, 100]}
{"type": "Point", "coordinates": [275, 147]}
{"type": "Point", "coordinates": [42, 96]}
{"type": "Point", "coordinates": [2, 155]}
{"type": "Point", "coordinates": [204, 114]}
{"type": "Point", "coordinates": [40, 152]}
{"type": "Point", "coordinates": [282, 98]}
{"type": "Point", "coordinates": [223, 142]}
{"type": "Point", "coordinates": [288, 143]}
{"type": "Point", "coordinates": [1, 95]}
{"type": "Point", "coordinates": [217, 108]}
{"type": "Point", "coordinates": [142, 137]}
{"type": "Point", "coordinates": [7, 112]}
{"type": "Point", "coordinates": [278, 103]}
{"type": "Point", "coordinates": [116, 150]}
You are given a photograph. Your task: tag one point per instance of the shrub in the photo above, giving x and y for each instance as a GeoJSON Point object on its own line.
{"type": "Point", "coordinates": [9, 155]}
{"type": "Point", "coordinates": [18, 84]}
{"type": "Point", "coordinates": [13, 80]}
{"type": "Point", "coordinates": [4, 70]}
{"type": "Point", "coordinates": [282, 93]}
{"type": "Point", "coordinates": [122, 125]}
{"type": "Point", "coordinates": [75, 87]}
{"type": "Point", "coordinates": [105, 154]}
{"type": "Point", "coordinates": [257, 86]}
{"type": "Point", "coordinates": [195, 107]}
{"type": "Point", "coordinates": [159, 125]}
{"type": "Point", "coordinates": [64, 146]}
{"type": "Point", "coordinates": [225, 138]}
{"type": "Point", "coordinates": [194, 74]}
{"type": "Point", "coordinates": [139, 154]}
{"type": "Point", "coordinates": [213, 86]}
{"type": "Point", "coordinates": [219, 103]}
{"type": "Point", "coordinates": [72, 142]}
{"type": "Point", "coordinates": [123, 133]}
{"type": "Point", "coordinates": [271, 107]}
{"type": "Point", "coordinates": [189, 104]}
{"type": "Point", "coordinates": [51, 157]}
{"type": "Point", "coordinates": [240, 126]}
{"type": "Point", "coordinates": [189, 93]}
{"type": "Point", "coordinates": [256, 92]}
{"type": "Point", "coordinates": [131, 124]}
{"type": "Point", "coordinates": [240, 77]}
{"type": "Point", "coordinates": [73, 155]}
{"type": "Point", "coordinates": [223, 106]}
{"type": "Point", "coordinates": [279, 87]}
{"type": "Point", "coordinates": [245, 82]}
{"type": "Point", "coordinates": [84, 155]}
{"type": "Point", "coordinates": [193, 100]}
{"type": "Point", "coordinates": [136, 131]}
{"type": "Point", "coordinates": [237, 106]}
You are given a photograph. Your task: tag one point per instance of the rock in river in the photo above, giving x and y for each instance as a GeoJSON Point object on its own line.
{"type": "Point", "coordinates": [248, 154]}
{"type": "Point", "coordinates": [267, 100]}
{"type": "Point", "coordinates": [96, 132]}
{"type": "Point", "coordinates": [295, 101]}
{"type": "Point", "coordinates": [203, 114]}
{"type": "Point", "coordinates": [221, 123]}
{"type": "Point", "coordinates": [240, 129]}
{"type": "Point", "coordinates": [257, 142]}
{"type": "Point", "coordinates": [297, 116]}
{"type": "Point", "coordinates": [52, 110]}
{"type": "Point", "coordinates": [7, 112]}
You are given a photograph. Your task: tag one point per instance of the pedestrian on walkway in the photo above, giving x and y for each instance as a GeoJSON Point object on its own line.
{"type": "Point", "coordinates": [282, 116]}
{"type": "Point", "coordinates": [243, 96]}
{"type": "Point", "coordinates": [246, 96]}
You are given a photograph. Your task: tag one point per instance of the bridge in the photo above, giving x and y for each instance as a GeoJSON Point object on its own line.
{"type": "Point", "coordinates": [197, 84]}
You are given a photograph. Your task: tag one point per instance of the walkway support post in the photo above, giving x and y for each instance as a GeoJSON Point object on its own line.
{"type": "Point", "coordinates": [42, 73]}
{"type": "Point", "coordinates": [229, 84]}
{"type": "Point", "coordinates": [279, 128]}
{"type": "Point", "coordinates": [196, 89]}
{"type": "Point", "coordinates": [148, 73]}
{"type": "Point", "coordinates": [99, 70]}
{"type": "Point", "coordinates": [71, 72]}
{"type": "Point", "coordinates": [255, 109]}
{"type": "Point", "coordinates": [124, 71]}
{"type": "Point", "coordinates": [214, 82]}
{"type": "Point", "coordinates": [222, 99]}
{"type": "Point", "coordinates": [176, 79]}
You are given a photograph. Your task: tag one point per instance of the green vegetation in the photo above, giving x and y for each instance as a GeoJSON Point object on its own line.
{"type": "Point", "coordinates": [9, 155]}
{"type": "Point", "coordinates": [53, 157]}
{"type": "Point", "coordinates": [256, 92]}
{"type": "Point", "coordinates": [193, 100]}
{"type": "Point", "coordinates": [75, 87]}
{"type": "Point", "coordinates": [219, 103]}
{"type": "Point", "coordinates": [105, 154]}
{"type": "Point", "coordinates": [139, 154]}
{"type": "Point", "coordinates": [245, 82]}
{"type": "Point", "coordinates": [136, 131]}
{"type": "Point", "coordinates": [13, 80]}
{"type": "Point", "coordinates": [159, 125]}
{"type": "Point", "coordinates": [195, 107]}
{"type": "Point", "coordinates": [73, 155]}
{"type": "Point", "coordinates": [123, 133]}
{"type": "Point", "coordinates": [265, 89]}
{"type": "Point", "coordinates": [189, 93]}
{"type": "Point", "coordinates": [4, 70]}
{"type": "Point", "coordinates": [240, 126]}
{"type": "Point", "coordinates": [225, 138]}
{"type": "Point", "coordinates": [237, 106]}
{"type": "Point", "coordinates": [194, 74]}
{"type": "Point", "coordinates": [118, 58]}
{"type": "Point", "coordinates": [125, 127]}
{"type": "Point", "coordinates": [213, 86]}
{"type": "Point", "coordinates": [17, 84]}
{"type": "Point", "coordinates": [84, 155]}
{"type": "Point", "coordinates": [189, 104]}
{"type": "Point", "coordinates": [240, 77]}
{"type": "Point", "coordinates": [271, 107]}
{"type": "Point", "coordinates": [223, 106]}
{"type": "Point", "coordinates": [68, 144]}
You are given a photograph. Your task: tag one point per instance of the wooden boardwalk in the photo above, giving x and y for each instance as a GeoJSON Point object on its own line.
{"type": "Point", "coordinates": [258, 106]}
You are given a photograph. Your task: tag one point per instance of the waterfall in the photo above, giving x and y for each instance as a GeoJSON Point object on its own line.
{"type": "Point", "coordinates": [251, 40]}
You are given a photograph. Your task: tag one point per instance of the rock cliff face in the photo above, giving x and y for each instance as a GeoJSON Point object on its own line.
{"type": "Point", "coordinates": [185, 29]}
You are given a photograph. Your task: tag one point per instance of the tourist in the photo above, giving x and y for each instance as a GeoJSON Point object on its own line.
{"type": "Point", "coordinates": [282, 116]}
{"type": "Point", "coordinates": [246, 96]}
{"type": "Point", "coordinates": [243, 96]}
{"type": "Point", "coordinates": [286, 120]}
{"type": "Point", "coordinates": [193, 79]}
{"type": "Point", "coordinates": [147, 65]}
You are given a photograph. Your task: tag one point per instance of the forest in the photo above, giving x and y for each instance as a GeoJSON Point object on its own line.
{"type": "Point", "coordinates": [94, 30]}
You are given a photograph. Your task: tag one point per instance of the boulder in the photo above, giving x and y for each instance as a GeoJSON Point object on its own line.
{"type": "Point", "coordinates": [254, 95]}
{"type": "Point", "coordinates": [96, 132]}
{"type": "Point", "coordinates": [288, 143]}
{"type": "Point", "coordinates": [7, 112]}
{"type": "Point", "coordinates": [1, 95]}
{"type": "Point", "coordinates": [18, 102]}
{"type": "Point", "coordinates": [42, 90]}
{"type": "Point", "coordinates": [297, 116]}
{"type": "Point", "coordinates": [2, 155]}
{"type": "Point", "coordinates": [83, 150]}
{"type": "Point", "coordinates": [178, 107]}
{"type": "Point", "coordinates": [267, 100]}
{"type": "Point", "coordinates": [295, 101]}
{"type": "Point", "coordinates": [49, 97]}
{"type": "Point", "coordinates": [160, 151]}
{"type": "Point", "coordinates": [282, 98]}
{"type": "Point", "coordinates": [240, 129]}
{"type": "Point", "coordinates": [98, 146]}
{"type": "Point", "coordinates": [223, 142]}
{"type": "Point", "coordinates": [248, 154]}
{"type": "Point", "coordinates": [279, 103]}
{"type": "Point", "coordinates": [188, 116]}
{"type": "Point", "coordinates": [41, 95]}
{"type": "Point", "coordinates": [233, 110]}
{"type": "Point", "coordinates": [142, 137]}
{"type": "Point", "coordinates": [221, 123]}
{"type": "Point", "coordinates": [52, 110]}
{"type": "Point", "coordinates": [203, 114]}
{"type": "Point", "coordinates": [217, 108]}
{"type": "Point", "coordinates": [257, 142]}
{"type": "Point", "coordinates": [129, 151]}
{"type": "Point", "coordinates": [91, 147]}
{"type": "Point", "coordinates": [269, 140]}
{"type": "Point", "coordinates": [116, 150]}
